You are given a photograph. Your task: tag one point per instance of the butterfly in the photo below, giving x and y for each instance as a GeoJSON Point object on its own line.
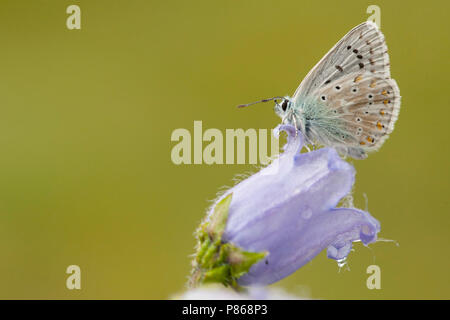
{"type": "Point", "coordinates": [348, 100]}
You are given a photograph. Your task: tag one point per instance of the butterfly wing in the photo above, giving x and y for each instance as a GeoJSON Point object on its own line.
{"type": "Point", "coordinates": [353, 80]}
{"type": "Point", "coordinates": [362, 48]}
{"type": "Point", "coordinates": [367, 107]}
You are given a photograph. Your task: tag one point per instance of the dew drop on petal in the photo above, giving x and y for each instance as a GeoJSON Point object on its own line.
{"type": "Point", "coordinates": [307, 213]}
{"type": "Point", "coordinates": [342, 263]}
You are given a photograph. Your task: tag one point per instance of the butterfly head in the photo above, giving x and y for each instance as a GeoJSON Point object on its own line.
{"type": "Point", "coordinates": [284, 109]}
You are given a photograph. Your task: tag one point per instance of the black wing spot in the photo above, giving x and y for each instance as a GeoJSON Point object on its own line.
{"type": "Point", "coordinates": [339, 68]}
{"type": "Point", "coordinates": [361, 65]}
{"type": "Point", "coordinates": [359, 56]}
{"type": "Point", "coordinates": [349, 47]}
{"type": "Point", "coordinates": [355, 51]}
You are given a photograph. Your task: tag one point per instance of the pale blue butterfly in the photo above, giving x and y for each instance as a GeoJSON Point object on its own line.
{"type": "Point", "coordinates": [348, 100]}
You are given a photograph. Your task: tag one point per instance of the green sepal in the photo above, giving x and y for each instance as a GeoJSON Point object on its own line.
{"type": "Point", "coordinates": [241, 261]}
{"type": "Point", "coordinates": [218, 219]}
{"type": "Point", "coordinates": [209, 259]}
{"type": "Point", "coordinates": [217, 275]}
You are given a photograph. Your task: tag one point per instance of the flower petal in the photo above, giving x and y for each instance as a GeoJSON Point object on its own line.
{"type": "Point", "coordinates": [297, 244]}
{"type": "Point", "coordinates": [264, 203]}
{"type": "Point", "coordinates": [288, 209]}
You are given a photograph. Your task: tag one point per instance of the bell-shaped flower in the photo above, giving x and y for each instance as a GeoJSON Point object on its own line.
{"type": "Point", "coordinates": [288, 210]}
{"type": "Point", "coordinates": [277, 220]}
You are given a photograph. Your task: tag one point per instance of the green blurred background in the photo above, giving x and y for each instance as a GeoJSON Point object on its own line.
{"type": "Point", "coordinates": [86, 118]}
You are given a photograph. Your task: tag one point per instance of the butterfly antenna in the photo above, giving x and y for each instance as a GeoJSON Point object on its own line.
{"type": "Point", "coordinates": [263, 100]}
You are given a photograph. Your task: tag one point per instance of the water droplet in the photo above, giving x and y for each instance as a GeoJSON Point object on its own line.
{"type": "Point", "coordinates": [307, 213]}
{"type": "Point", "coordinates": [342, 263]}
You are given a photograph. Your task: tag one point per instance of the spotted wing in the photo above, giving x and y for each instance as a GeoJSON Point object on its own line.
{"type": "Point", "coordinates": [367, 107]}
{"type": "Point", "coordinates": [361, 49]}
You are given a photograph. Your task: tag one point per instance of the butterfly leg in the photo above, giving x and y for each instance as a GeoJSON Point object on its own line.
{"type": "Point", "coordinates": [307, 148]}
{"type": "Point", "coordinates": [296, 126]}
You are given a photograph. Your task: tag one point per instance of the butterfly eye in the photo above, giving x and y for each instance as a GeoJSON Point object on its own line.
{"type": "Point", "coordinates": [284, 105]}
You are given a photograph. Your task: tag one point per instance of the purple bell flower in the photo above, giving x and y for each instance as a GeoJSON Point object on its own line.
{"type": "Point", "coordinates": [288, 209]}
